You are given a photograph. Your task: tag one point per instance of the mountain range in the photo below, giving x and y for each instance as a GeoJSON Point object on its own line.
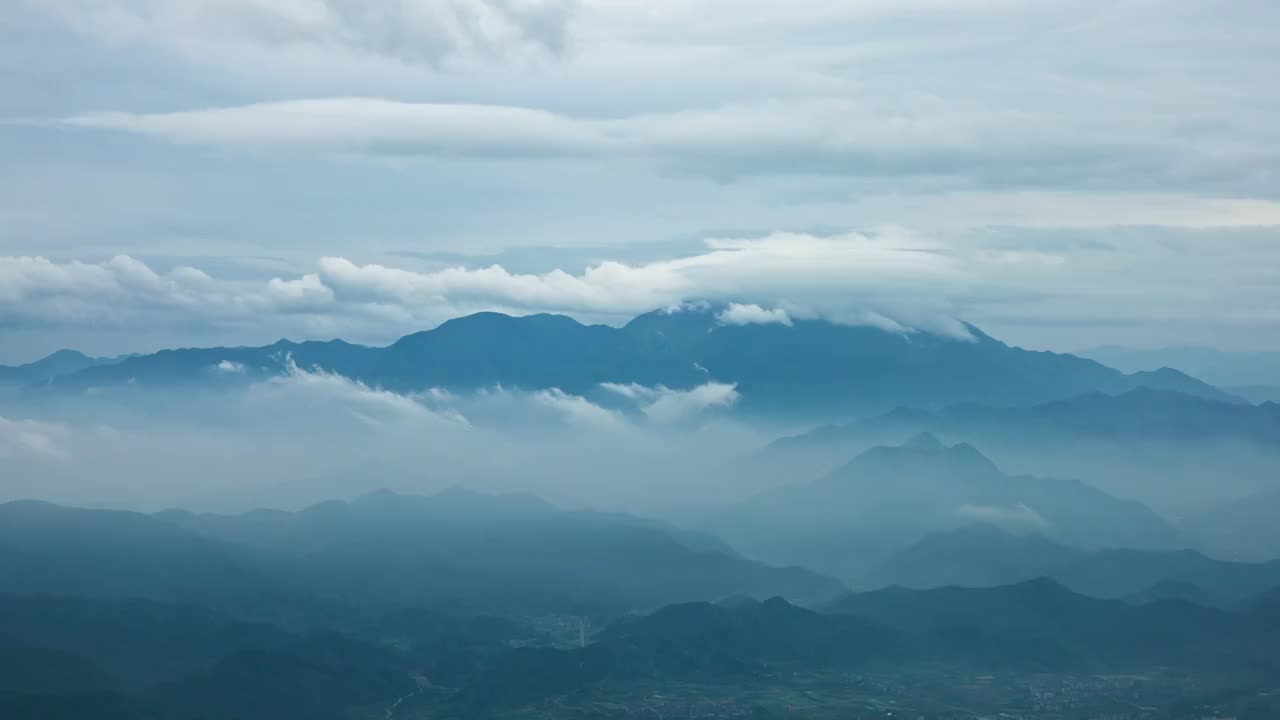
{"type": "Point", "coordinates": [378, 608]}
{"type": "Point", "coordinates": [1245, 528]}
{"type": "Point", "coordinates": [1157, 446]}
{"type": "Point", "coordinates": [1036, 626]}
{"type": "Point", "coordinates": [809, 367]}
{"type": "Point", "coordinates": [888, 497]}
{"type": "Point", "coordinates": [986, 556]}
{"type": "Point", "coordinates": [383, 551]}
{"type": "Point", "coordinates": [1222, 368]}
{"type": "Point", "coordinates": [58, 364]}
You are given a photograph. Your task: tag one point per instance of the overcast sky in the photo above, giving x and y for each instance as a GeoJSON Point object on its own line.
{"type": "Point", "coordinates": [1063, 174]}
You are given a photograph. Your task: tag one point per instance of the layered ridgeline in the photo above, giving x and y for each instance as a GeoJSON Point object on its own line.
{"type": "Point", "coordinates": [59, 364]}
{"type": "Point", "coordinates": [440, 666]}
{"type": "Point", "coordinates": [382, 551]}
{"type": "Point", "coordinates": [807, 366]}
{"type": "Point", "coordinates": [850, 520]}
{"type": "Point", "coordinates": [466, 605]}
{"type": "Point", "coordinates": [1156, 446]}
{"type": "Point", "coordinates": [1245, 528]}
{"type": "Point", "coordinates": [987, 556]}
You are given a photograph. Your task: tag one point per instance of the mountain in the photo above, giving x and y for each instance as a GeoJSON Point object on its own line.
{"type": "Point", "coordinates": [62, 362]}
{"type": "Point", "coordinates": [322, 675]}
{"type": "Point", "coordinates": [811, 368]}
{"type": "Point", "coordinates": [888, 497]}
{"type": "Point", "coordinates": [1040, 623]}
{"type": "Point", "coordinates": [424, 664]}
{"type": "Point", "coordinates": [691, 642]}
{"type": "Point", "coordinates": [1245, 528]}
{"type": "Point", "coordinates": [1256, 394]}
{"type": "Point", "coordinates": [122, 644]}
{"type": "Point", "coordinates": [1036, 626]}
{"type": "Point", "coordinates": [1219, 367]}
{"type": "Point", "coordinates": [988, 557]}
{"type": "Point", "coordinates": [1138, 415]}
{"type": "Point", "coordinates": [1158, 446]}
{"type": "Point", "coordinates": [1176, 590]}
{"type": "Point", "coordinates": [511, 553]}
{"type": "Point", "coordinates": [974, 556]}
{"type": "Point", "coordinates": [55, 550]}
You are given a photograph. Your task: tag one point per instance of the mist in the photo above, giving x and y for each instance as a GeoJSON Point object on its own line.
{"type": "Point", "coordinates": [604, 359]}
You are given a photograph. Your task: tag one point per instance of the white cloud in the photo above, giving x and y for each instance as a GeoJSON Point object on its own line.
{"type": "Point", "coordinates": [868, 136]}
{"type": "Point", "coordinates": [739, 314]}
{"type": "Point", "coordinates": [1017, 518]}
{"type": "Point", "coordinates": [325, 393]}
{"type": "Point", "coordinates": [230, 367]}
{"type": "Point", "coordinates": [235, 33]}
{"type": "Point", "coordinates": [664, 405]}
{"type": "Point", "coordinates": [888, 273]}
{"type": "Point", "coordinates": [22, 439]}
{"type": "Point", "coordinates": [578, 410]}
{"type": "Point", "coordinates": [888, 278]}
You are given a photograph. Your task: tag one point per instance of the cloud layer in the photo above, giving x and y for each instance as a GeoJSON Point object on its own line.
{"type": "Point", "coordinates": [228, 32]}
{"type": "Point", "coordinates": [32, 440]}
{"type": "Point", "coordinates": [889, 278]}
{"type": "Point", "coordinates": [250, 138]}
{"type": "Point", "coordinates": [854, 136]}
{"type": "Point", "coordinates": [840, 276]}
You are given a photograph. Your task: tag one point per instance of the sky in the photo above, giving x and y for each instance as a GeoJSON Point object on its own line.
{"type": "Point", "coordinates": [1062, 174]}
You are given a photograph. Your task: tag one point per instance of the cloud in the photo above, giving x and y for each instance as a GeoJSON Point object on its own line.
{"type": "Point", "coordinates": [234, 33]}
{"type": "Point", "coordinates": [850, 136]}
{"type": "Point", "coordinates": [230, 367]}
{"type": "Point", "coordinates": [851, 276]}
{"type": "Point", "coordinates": [889, 278]}
{"type": "Point", "coordinates": [738, 314]}
{"type": "Point", "coordinates": [1017, 518]}
{"type": "Point", "coordinates": [578, 410]}
{"type": "Point", "coordinates": [883, 273]}
{"type": "Point", "coordinates": [318, 392]}
{"type": "Point", "coordinates": [664, 405]}
{"type": "Point", "coordinates": [33, 440]}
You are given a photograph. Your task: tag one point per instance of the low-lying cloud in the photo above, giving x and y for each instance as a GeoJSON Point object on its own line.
{"type": "Point", "coordinates": [1013, 518]}
{"type": "Point", "coordinates": [322, 392]}
{"type": "Point", "coordinates": [889, 272]}
{"type": "Point", "coordinates": [890, 278]}
{"type": "Point", "coordinates": [665, 406]}
{"type": "Point", "coordinates": [33, 440]}
{"type": "Point", "coordinates": [739, 314]}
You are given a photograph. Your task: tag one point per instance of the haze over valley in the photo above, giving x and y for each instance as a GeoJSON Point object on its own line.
{"type": "Point", "coordinates": [574, 359]}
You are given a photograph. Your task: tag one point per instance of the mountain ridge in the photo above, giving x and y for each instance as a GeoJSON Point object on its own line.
{"type": "Point", "coordinates": [844, 367]}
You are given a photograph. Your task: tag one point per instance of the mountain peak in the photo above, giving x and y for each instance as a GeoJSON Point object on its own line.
{"type": "Point", "coordinates": [65, 354]}
{"type": "Point", "coordinates": [925, 442]}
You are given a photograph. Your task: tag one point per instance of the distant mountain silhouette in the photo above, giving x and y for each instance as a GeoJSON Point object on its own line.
{"type": "Point", "coordinates": [1143, 413]}
{"type": "Point", "coordinates": [1169, 449]}
{"type": "Point", "coordinates": [987, 557]}
{"type": "Point", "coordinates": [57, 550]}
{"type": "Point", "coordinates": [1041, 623]}
{"type": "Point", "coordinates": [1036, 626]}
{"type": "Point", "coordinates": [1256, 394]}
{"type": "Point", "coordinates": [888, 497]}
{"type": "Point", "coordinates": [130, 644]}
{"type": "Point", "coordinates": [62, 362]}
{"type": "Point", "coordinates": [1247, 528]}
{"type": "Point", "coordinates": [385, 551]}
{"type": "Point", "coordinates": [1215, 366]}
{"type": "Point", "coordinates": [812, 367]}
{"type": "Point", "coordinates": [692, 642]}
